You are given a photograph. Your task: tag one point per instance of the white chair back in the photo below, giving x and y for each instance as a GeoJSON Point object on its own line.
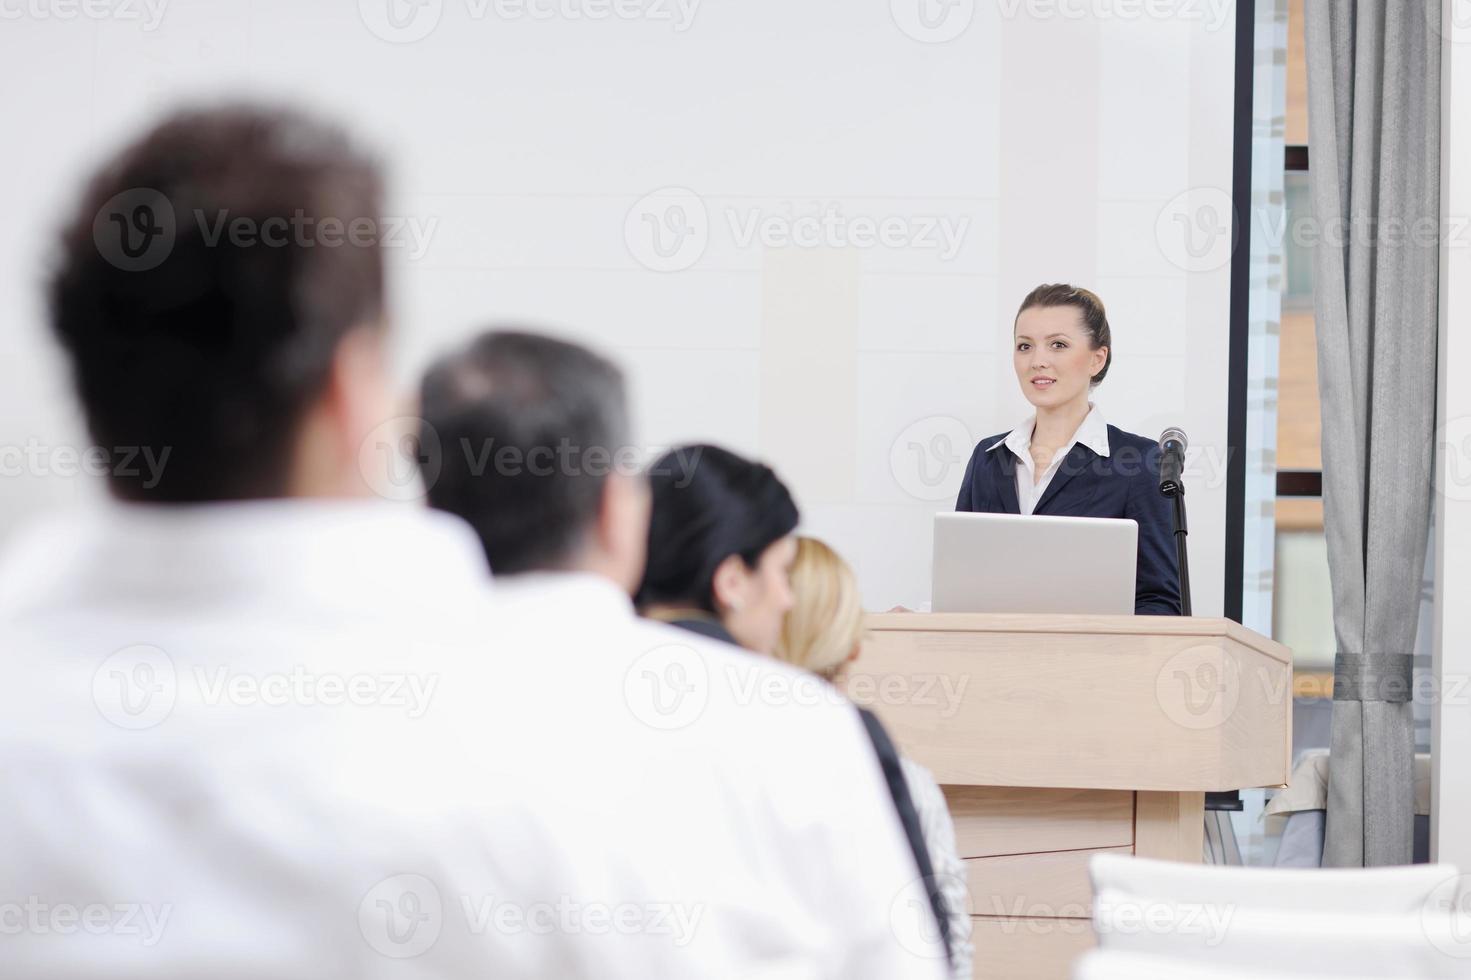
{"type": "Point", "coordinates": [1400, 889]}
{"type": "Point", "coordinates": [1412, 921]}
{"type": "Point", "coordinates": [1110, 965]}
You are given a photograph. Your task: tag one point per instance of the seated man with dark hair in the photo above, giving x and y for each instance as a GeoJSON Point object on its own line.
{"type": "Point", "coordinates": [256, 723]}
{"type": "Point", "coordinates": [527, 438]}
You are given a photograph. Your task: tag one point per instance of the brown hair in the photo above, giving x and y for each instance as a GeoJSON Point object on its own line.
{"type": "Point", "coordinates": [211, 346]}
{"type": "Point", "coordinates": [1095, 320]}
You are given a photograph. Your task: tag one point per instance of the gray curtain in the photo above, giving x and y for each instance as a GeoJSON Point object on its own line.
{"type": "Point", "coordinates": [1374, 144]}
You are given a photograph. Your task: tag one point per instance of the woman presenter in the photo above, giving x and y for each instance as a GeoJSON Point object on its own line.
{"type": "Point", "coordinates": [1065, 460]}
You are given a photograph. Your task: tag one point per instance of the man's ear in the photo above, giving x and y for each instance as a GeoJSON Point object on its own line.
{"type": "Point", "coordinates": [730, 584]}
{"type": "Point", "coordinates": [621, 531]}
{"type": "Point", "coordinates": [354, 400]}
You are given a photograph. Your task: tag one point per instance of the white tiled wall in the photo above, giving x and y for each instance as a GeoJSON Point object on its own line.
{"type": "Point", "coordinates": [1049, 142]}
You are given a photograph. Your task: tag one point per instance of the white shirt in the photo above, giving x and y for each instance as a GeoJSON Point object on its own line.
{"type": "Point", "coordinates": [1093, 433]}
{"type": "Point", "coordinates": [309, 740]}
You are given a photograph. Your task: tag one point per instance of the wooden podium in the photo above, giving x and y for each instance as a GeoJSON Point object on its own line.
{"type": "Point", "coordinates": [1059, 737]}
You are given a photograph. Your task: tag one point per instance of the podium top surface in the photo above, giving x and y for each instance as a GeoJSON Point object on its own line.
{"type": "Point", "coordinates": [1202, 626]}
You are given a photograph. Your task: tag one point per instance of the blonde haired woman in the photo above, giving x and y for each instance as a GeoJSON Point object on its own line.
{"type": "Point", "coordinates": [823, 634]}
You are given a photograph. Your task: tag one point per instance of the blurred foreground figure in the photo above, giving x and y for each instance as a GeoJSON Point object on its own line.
{"type": "Point", "coordinates": [257, 722]}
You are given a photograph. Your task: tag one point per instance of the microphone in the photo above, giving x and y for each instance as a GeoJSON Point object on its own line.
{"type": "Point", "coordinates": [1172, 445]}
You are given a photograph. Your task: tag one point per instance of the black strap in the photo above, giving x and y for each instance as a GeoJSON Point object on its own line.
{"type": "Point", "coordinates": [908, 817]}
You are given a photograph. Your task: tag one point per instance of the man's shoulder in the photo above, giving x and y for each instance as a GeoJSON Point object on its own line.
{"type": "Point", "coordinates": [737, 700]}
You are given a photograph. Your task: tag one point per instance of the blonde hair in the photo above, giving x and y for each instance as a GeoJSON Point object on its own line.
{"type": "Point", "coordinates": [826, 619]}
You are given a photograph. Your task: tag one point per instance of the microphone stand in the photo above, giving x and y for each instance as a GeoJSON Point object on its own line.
{"type": "Point", "coordinates": [1173, 486]}
{"type": "Point", "coordinates": [1182, 551]}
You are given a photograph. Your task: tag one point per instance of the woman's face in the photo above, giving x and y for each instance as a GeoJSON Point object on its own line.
{"type": "Point", "coordinates": [754, 602]}
{"type": "Point", "coordinates": [1053, 357]}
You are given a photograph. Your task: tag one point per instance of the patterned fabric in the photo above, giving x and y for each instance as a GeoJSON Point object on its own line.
{"type": "Point", "coordinates": [939, 837]}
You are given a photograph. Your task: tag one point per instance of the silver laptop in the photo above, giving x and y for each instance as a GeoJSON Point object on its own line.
{"type": "Point", "coordinates": [1010, 563]}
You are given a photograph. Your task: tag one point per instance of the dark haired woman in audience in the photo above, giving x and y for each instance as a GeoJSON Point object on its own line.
{"type": "Point", "coordinates": [720, 547]}
{"type": "Point", "coordinates": [721, 550]}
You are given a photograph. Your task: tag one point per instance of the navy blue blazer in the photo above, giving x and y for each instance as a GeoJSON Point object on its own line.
{"type": "Point", "coordinates": [1123, 484]}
